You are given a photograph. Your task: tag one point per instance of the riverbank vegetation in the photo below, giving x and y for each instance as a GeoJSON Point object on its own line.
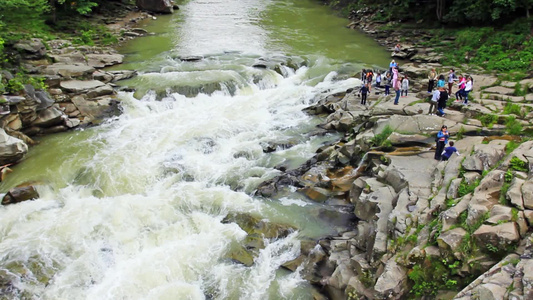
{"type": "Point", "coordinates": [495, 35]}
{"type": "Point", "coordinates": [48, 19]}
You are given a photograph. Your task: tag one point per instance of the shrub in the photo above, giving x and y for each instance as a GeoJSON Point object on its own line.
{"type": "Point", "coordinates": [518, 165]}
{"type": "Point", "coordinates": [380, 138]}
{"type": "Point", "coordinates": [511, 108]}
{"type": "Point", "coordinates": [513, 126]}
{"type": "Point", "coordinates": [488, 120]}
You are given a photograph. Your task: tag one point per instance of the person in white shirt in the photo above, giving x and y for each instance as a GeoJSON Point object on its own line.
{"type": "Point", "coordinates": [468, 87]}
{"type": "Point", "coordinates": [405, 86]}
{"type": "Point", "coordinates": [433, 102]}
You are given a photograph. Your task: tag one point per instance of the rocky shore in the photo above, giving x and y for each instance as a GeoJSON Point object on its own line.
{"type": "Point", "coordinates": [79, 92]}
{"type": "Point", "coordinates": [457, 229]}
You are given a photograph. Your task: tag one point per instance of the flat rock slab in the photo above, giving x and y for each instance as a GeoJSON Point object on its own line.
{"type": "Point", "coordinates": [69, 71]}
{"type": "Point", "coordinates": [104, 60]}
{"type": "Point", "coordinates": [484, 80]}
{"type": "Point", "coordinates": [499, 90]}
{"type": "Point", "coordinates": [77, 86]}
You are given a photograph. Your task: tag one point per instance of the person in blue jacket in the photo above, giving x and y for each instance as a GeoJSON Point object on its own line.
{"type": "Point", "coordinates": [442, 140]}
{"type": "Point", "coordinates": [448, 151]}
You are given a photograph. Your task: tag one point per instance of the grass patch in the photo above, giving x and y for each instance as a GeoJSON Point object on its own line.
{"type": "Point", "coordinates": [380, 139]}
{"type": "Point", "coordinates": [488, 120]}
{"type": "Point", "coordinates": [513, 126]}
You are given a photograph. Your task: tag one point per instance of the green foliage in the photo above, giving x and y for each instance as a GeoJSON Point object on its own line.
{"type": "Point", "coordinates": [511, 146]}
{"type": "Point", "coordinates": [460, 133]}
{"type": "Point", "coordinates": [511, 108]}
{"type": "Point", "coordinates": [519, 91]}
{"type": "Point", "coordinates": [380, 138]}
{"type": "Point", "coordinates": [466, 188]}
{"type": "Point", "coordinates": [518, 165]}
{"type": "Point", "coordinates": [15, 85]}
{"type": "Point", "coordinates": [513, 126]}
{"type": "Point", "coordinates": [432, 276]}
{"type": "Point", "coordinates": [488, 119]}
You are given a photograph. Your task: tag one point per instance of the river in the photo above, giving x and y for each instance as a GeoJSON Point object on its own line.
{"type": "Point", "coordinates": [134, 208]}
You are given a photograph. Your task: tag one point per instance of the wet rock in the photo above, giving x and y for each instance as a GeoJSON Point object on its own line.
{"type": "Point", "coordinates": [191, 58]}
{"type": "Point", "coordinates": [100, 91]}
{"type": "Point", "coordinates": [97, 109]}
{"type": "Point", "coordinates": [158, 6]}
{"type": "Point", "coordinates": [11, 148]}
{"type": "Point", "coordinates": [253, 225]}
{"type": "Point", "coordinates": [316, 194]}
{"type": "Point", "coordinates": [103, 76]}
{"type": "Point", "coordinates": [71, 123]}
{"type": "Point", "coordinates": [122, 75]}
{"type": "Point", "coordinates": [19, 194]}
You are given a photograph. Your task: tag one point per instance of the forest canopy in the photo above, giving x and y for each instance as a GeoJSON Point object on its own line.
{"type": "Point", "coordinates": [460, 12]}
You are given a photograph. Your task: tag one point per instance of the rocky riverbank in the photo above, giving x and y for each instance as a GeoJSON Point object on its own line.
{"type": "Point", "coordinates": [426, 228]}
{"type": "Point", "coordinates": [460, 229]}
{"type": "Point", "coordinates": [79, 92]}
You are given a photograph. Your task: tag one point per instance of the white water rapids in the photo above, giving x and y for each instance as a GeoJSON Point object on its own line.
{"type": "Point", "coordinates": [134, 208]}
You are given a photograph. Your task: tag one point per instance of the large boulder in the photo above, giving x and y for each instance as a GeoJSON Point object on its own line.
{"type": "Point", "coordinates": [31, 49]}
{"type": "Point", "coordinates": [159, 6]}
{"type": "Point", "coordinates": [392, 284]}
{"type": "Point", "coordinates": [485, 156]}
{"type": "Point", "coordinates": [11, 149]}
{"type": "Point", "coordinates": [49, 117]}
{"type": "Point", "coordinates": [19, 194]}
{"type": "Point", "coordinates": [499, 236]}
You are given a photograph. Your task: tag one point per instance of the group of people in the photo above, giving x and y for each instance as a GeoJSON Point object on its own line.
{"type": "Point", "coordinates": [439, 86]}
{"type": "Point", "coordinates": [441, 95]}
{"type": "Point", "coordinates": [389, 79]}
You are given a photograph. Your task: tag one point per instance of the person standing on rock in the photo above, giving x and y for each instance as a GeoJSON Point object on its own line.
{"type": "Point", "coordinates": [405, 86]}
{"type": "Point", "coordinates": [441, 82]}
{"type": "Point", "coordinates": [387, 83]}
{"type": "Point", "coordinates": [392, 65]}
{"type": "Point", "coordinates": [396, 84]}
{"type": "Point", "coordinates": [448, 151]}
{"type": "Point", "coordinates": [369, 77]}
{"type": "Point", "coordinates": [442, 140]}
{"type": "Point", "coordinates": [443, 98]}
{"type": "Point", "coordinates": [378, 80]}
{"type": "Point", "coordinates": [434, 102]}
{"type": "Point", "coordinates": [468, 87]}
{"type": "Point", "coordinates": [451, 79]}
{"type": "Point", "coordinates": [363, 92]}
{"type": "Point", "coordinates": [363, 76]}
{"type": "Point", "coordinates": [432, 77]}
{"type": "Point", "coordinates": [461, 86]}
